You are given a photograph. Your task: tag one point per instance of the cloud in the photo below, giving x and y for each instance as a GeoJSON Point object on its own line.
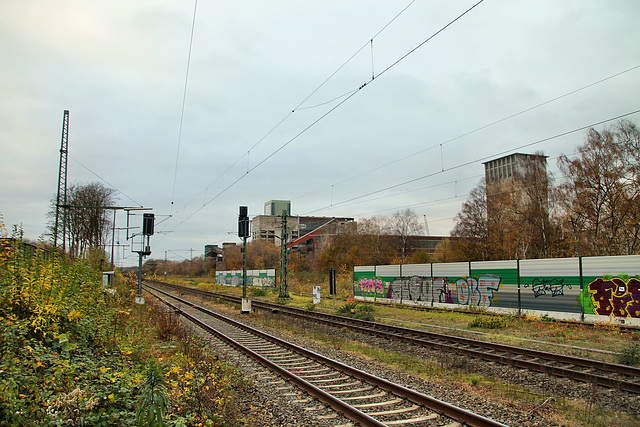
{"type": "Point", "coordinates": [120, 68]}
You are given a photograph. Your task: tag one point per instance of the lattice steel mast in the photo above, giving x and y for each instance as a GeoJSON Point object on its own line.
{"type": "Point", "coordinates": [61, 200]}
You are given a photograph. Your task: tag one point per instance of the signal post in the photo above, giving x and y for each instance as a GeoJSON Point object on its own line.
{"type": "Point", "coordinates": [243, 233]}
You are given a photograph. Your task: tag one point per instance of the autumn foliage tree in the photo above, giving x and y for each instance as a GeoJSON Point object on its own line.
{"type": "Point", "coordinates": [602, 193]}
{"type": "Point", "coordinates": [470, 235]}
{"type": "Point", "coordinates": [378, 240]}
{"type": "Point", "coordinates": [596, 211]}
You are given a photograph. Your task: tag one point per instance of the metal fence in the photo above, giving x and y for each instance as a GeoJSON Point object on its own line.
{"type": "Point", "coordinates": [599, 286]}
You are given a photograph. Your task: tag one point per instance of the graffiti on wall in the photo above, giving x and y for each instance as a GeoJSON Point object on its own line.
{"type": "Point", "coordinates": [414, 288]}
{"type": "Point", "coordinates": [445, 295]}
{"type": "Point", "coordinates": [262, 282]}
{"type": "Point", "coordinates": [465, 291]}
{"type": "Point", "coordinates": [477, 291]}
{"type": "Point", "coordinates": [554, 287]}
{"type": "Point", "coordinates": [371, 286]}
{"type": "Point", "coordinates": [615, 297]}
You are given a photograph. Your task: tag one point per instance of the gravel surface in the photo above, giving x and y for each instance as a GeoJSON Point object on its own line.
{"type": "Point", "coordinates": [272, 402]}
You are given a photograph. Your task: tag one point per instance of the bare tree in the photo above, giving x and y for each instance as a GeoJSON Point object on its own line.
{"type": "Point", "coordinates": [512, 222]}
{"type": "Point", "coordinates": [402, 225]}
{"type": "Point", "coordinates": [601, 195]}
{"type": "Point", "coordinates": [88, 217]}
{"type": "Point", "coordinates": [470, 236]}
{"type": "Point", "coordinates": [532, 207]}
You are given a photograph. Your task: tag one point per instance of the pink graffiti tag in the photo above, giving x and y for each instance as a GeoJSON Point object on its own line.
{"type": "Point", "coordinates": [368, 285]}
{"type": "Point", "coordinates": [615, 297]}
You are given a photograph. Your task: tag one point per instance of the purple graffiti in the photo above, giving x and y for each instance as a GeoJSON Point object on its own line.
{"type": "Point", "coordinates": [615, 297]}
{"type": "Point", "coordinates": [446, 295]}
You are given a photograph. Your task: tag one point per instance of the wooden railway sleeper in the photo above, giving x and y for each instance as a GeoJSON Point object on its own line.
{"type": "Point", "coordinates": [413, 420]}
{"type": "Point", "coordinates": [329, 380]}
{"type": "Point", "coordinates": [378, 404]}
{"type": "Point", "coordinates": [357, 390]}
{"type": "Point", "coordinates": [397, 411]}
{"type": "Point", "coordinates": [343, 385]}
{"type": "Point", "coordinates": [312, 371]}
{"type": "Point", "coordinates": [306, 377]}
{"type": "Point", "coordinates": [369, 396]}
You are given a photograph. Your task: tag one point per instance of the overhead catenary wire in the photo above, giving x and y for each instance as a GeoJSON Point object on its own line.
{"type": "Point", "coordinates": [324, 115]}
{"type": "Point", "coordinates": [300, 107]}
{"type": "Point", "coordinates": [493, 123]}
{"type": "Point", "coordinates": [552, 177]}
{"type": "Point", "coordinates": [184, 101]}
{"type": "Point", "coordinates": [458, 166]}
{"type": "Point", "coordinates": [106, 182]}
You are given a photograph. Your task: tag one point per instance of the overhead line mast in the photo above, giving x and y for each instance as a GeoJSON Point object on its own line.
{"type": "Point", "coordinates": [61, 199]}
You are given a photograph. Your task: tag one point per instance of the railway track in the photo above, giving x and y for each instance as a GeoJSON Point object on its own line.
{"type": "Point", "coordinates": [610, 375]}
{"type": "Point", "coordinates": [363, 398]}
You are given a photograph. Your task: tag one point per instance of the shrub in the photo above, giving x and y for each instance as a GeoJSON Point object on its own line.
{"type": "Point", "coordinates": [630, 355]}
{"type": "Point", "coordinates": [58, 359]}
{"type": "Point", "coordinates": [492, 322]}
{"type": "Point", "coordinates": [357, 310]}
{"type": "Point", "coordinates": [259, 292]}
{"type": "Point", "coordinates": [70, 351]}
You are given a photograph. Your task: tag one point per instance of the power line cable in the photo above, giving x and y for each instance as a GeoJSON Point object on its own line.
{"type": "Point", "coordinates": [476, 160]}
{"type": "Point", "coordinates": [105, 181]}
{"type": "Point", "coordinates": [377, 168]}
{"type": "Point", "coordinates": [353, 93]}
{"type": "Point", "coordinates": [458, 196]}
{"type": "Point", "coordinates": [184, 100]}
{"type": "Point", "coordinates": [299, 106]}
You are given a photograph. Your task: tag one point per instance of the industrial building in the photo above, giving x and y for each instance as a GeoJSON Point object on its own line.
{"type": "Point", "coordinates": [303, 232]}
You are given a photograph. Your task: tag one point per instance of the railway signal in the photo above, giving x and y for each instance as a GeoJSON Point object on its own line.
{"type": "Point", "coordinates": [147, 224]}
{"type": "Point", "coordinates": [243, 232]}
{"type": "Point", "coordinates": [148, 220]}
{"type": "Point", "coordinates": [243, 223]}
{"type": "Point", "coordinates": [332, 284]}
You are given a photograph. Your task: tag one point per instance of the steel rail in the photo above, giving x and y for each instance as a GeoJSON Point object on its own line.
{"type": "Point", "coordinates": [451, 411]}
{"type": "Point", "coordinates": [424, 337]}
{"type": "Point", "coordinates": [443, 343]}
{"type": "Point", "coordinates": [336, 404]}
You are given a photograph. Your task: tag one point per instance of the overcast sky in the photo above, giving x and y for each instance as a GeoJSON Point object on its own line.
{"type": "Point", "coordinates": [275, 106]}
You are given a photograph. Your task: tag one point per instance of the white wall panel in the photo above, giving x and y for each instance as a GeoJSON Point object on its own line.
{"type": "Point", "coordinates": [388, 271]}
{"type": "Point", "coordinates": [549, 267]}
{"type": "Point", "coordinates": [423, 270]}
{"type": "Point", "coordinates": [451, 269]}
{"type": "Point", "coordinates": [611, 265]}
{"type": "Point", "coordinates": [494, 264]}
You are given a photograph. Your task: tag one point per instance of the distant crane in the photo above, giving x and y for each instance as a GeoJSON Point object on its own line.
{"type": "Point", "coordinates": [426, 224]}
